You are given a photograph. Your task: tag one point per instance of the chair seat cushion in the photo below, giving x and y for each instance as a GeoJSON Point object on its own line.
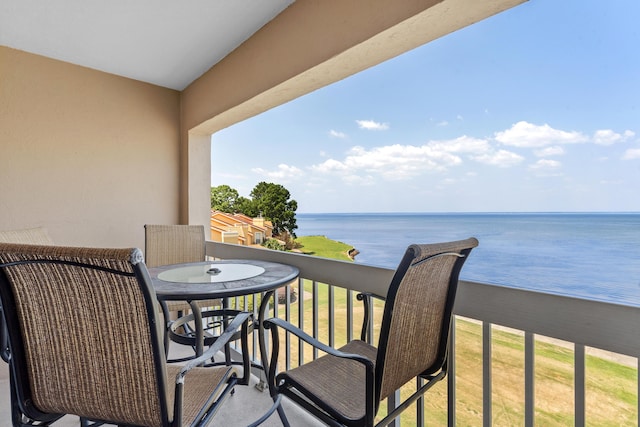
{"type": "Point", "coordinates": [334, 383]}
{"type": "Point", "coordinates": [199, 386]}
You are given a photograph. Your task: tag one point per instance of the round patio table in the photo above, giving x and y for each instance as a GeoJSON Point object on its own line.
{"type": "Point", "coordinates": [222, 279]}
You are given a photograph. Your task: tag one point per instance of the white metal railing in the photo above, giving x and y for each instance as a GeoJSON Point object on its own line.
{"type": "Point", "coordinates": [579, 322]}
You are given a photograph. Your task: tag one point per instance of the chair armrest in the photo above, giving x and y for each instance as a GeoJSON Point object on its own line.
{"type": "Point", "coordinates": [314, 342]}
{"type": "Point", "coordinates": [274, 323]}
{"type": "Point", "coordinates": [362, 295]}
{"type": "Point", "coordinates": [365, 297]}
{"type": "Point", "coordinates": [240, 319]}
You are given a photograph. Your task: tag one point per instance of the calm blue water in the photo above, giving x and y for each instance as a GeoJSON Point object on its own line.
{"type": "Point", "coordinates": [596, 256]}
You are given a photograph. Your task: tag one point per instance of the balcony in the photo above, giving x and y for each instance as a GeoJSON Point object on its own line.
{"type": "Point", "coordinates": [157, 165]}
{"type": "Point", "coordinates": [541, 328]}
{"type": "Point", "coordinates": [530, 323]}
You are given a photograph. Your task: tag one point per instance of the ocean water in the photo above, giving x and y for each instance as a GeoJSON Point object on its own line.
{"type": "Point", "coordinates": [590, 255]}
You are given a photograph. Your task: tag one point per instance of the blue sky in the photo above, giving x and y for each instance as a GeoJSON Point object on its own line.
{"type": "Point", "coordinates": [535, 109]}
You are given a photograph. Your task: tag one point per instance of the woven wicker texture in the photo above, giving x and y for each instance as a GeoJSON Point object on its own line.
{"type": "Point", "coordinates": [418, 311]}
{"type": "Point", "coordinates": [412, 338]}
{"type": "Point", "coordinates": [176, 244]}
{"type": "Point", "coordinates": [33, 236]}
{"type": "Point", "coordinates": [173, 244]}
{"type": "Point", "coordinates": [197, 388]}
{"type": "Point", "coordinates": [340, 383]}
{"type": "Point", "coordinates": [83, 355]}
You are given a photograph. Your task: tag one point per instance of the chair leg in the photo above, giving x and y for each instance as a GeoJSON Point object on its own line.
{"type": "Point", "coordinates": [283, 417]}
{"type": "Point", "coordinates": [225, 324]}
{"type": "Point", "coordinates": [277, 405]}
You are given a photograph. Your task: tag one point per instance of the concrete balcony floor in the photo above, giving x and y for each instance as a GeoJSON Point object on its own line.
{"type": "Point", "coordinates": [246, 405]}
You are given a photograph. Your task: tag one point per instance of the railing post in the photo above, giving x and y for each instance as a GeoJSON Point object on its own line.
{"type": "Point", "coordinates": [451, 380]}
{"type": "Point", "coordinates": [287, 316]}
{"type": "Point", "coordinates": [529, 379]}
{"type": "Point", "coordinates": [486, 374]}
{"type": "Point", "coordinates": [349, 315]}
{"type": "Point", "coordinates": [301, 298]}
{"type": "Point", "coordinates": [420, 418]}
{"type": "Point", "coordinates": [316, 298]}
{"type": "Point", "coordinates": [392, 402]}
{"type": "Point", "coordinates": [332, 324]}
{"type": "Point", "coordinates": [579, 373]}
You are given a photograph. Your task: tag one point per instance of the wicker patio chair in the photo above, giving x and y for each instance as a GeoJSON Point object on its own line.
{"type": "Point", "coordinates": [35, 236]}
{"type": "Point", "coordinates": [177, 244]}
{"type": "Point", "coordinates": [96, 350]}
{"type": "Point", "coordinates": [173, 244]}
{"type": "Point", "coordinates": [345, 386]}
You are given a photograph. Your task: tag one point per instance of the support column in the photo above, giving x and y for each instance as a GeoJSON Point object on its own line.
{"type": "Point", "coordinates": [198, 186]}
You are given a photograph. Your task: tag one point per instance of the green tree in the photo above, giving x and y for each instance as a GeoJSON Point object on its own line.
{"type": "Point", "coordinates": [245, 206]}
{"type": "Point", "coordinates": [225, 199]}
{"type": "Point", "coordinates": [273, 202]}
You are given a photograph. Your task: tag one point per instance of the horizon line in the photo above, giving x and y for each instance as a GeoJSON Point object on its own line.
{"type": "Point", "coordinates": [474, 213]}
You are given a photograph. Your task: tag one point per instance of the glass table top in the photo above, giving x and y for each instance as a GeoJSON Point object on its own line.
{"type": "Point", "coordinates": [211, 273]}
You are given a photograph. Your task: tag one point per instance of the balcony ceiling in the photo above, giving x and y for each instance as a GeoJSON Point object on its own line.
{"type": "Point", "coordinates": [164, 42]}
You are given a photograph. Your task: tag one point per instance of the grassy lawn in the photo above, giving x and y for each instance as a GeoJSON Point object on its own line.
{"type": "Point", "coordinates": [611, 388]}
{"type": "Point", "coordinates": [323, 247]}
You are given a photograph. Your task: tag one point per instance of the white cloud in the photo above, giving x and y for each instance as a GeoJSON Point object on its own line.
{"type": "Point", "coordinates": [329, 166]}
{"type": "Point", "coordinates": [459, 117]}
{"type": "Point", "coordinates": [500, 158]}
{"type": "Point", "coordinates": [549, 151]}
{"type": "Point", "coordinates": [443, 123]}
{"type": "Point", "coordinates": [391, 162]}
{"type": "Point", "coordinates": [462, 144]}
{"type": "Point", "coordinates": [545, 164]}
{"type": "Point", "coordinates": [631, 154]}
{"type": "Point", "coordinates": [398, 162]}
{"type": "Point", "coordinates": [372, 125]}
{"type": "Point", "coordinates": [524, 134]}
{"type": "Point", "coordinates": [284, 172]}
{"type": "Point", "coordinates": [608, 137]}
{"type": "Point", "coordinates": [336, 134]}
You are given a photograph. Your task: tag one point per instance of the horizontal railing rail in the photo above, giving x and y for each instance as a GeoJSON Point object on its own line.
{"type": "Point", "coordinates": [579, 322]}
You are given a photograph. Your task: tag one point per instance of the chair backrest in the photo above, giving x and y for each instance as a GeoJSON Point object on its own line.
{"type": "Point", "coordinates": [82, 333]}
{"type": "Point", "coordinates": [417, 314]}
{"type": "Point", "coordinates": [173, 244]}
{"type": "Point", "coordinates": [33, 236]}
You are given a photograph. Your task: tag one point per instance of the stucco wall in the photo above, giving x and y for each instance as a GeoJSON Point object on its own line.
{"type": "Point", "coordinates": [88, 155]}
{"type": "Point", "coordinates": [93, 157]}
